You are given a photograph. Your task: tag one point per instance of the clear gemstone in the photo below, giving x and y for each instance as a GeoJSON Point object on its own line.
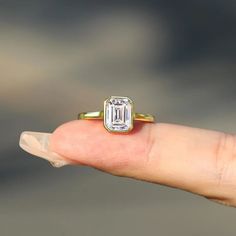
{"type": "Point", "coordinates": [118, 114]}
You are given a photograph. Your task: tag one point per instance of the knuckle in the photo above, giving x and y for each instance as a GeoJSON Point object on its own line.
{"type": "Point", "coordinates": [151, 143]}
{"type": "Point", "coordinates": [224, 154]}
{"type": "Point", "coordinates": [155, 146]}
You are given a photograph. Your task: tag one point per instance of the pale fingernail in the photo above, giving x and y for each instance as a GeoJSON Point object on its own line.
{"type": "Point", "coordinates": [37, 143]}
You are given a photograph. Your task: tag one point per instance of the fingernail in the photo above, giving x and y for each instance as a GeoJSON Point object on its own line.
{"type": "Point", "coordinates": [37, 143]}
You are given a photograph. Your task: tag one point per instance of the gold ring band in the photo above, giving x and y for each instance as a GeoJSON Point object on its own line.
{"type": "Point", "coordinates": [99, 115]}
{"type": "Point", "coordinates": [118, 115]}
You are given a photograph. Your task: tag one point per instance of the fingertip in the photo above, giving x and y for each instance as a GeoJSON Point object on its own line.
{"type": "Point", "coordinates": [89, 143]}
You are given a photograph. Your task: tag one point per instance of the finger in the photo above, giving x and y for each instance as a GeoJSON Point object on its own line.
{"type": "Point", "coordinates": [192, 159]}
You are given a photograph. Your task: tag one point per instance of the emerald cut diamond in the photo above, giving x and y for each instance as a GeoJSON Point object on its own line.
{"type": "Point", "coordinates": [118, 114]}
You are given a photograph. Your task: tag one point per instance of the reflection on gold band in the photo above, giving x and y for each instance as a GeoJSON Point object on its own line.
{"type": "Point", "coordinates": [144, 117]}
{"type": "Point", "coordinates": [94, 115]}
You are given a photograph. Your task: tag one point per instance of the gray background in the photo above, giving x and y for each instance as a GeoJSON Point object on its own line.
{"type": "Point", "coordinates": [57, 58]}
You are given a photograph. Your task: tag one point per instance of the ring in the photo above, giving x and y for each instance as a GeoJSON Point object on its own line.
{"type": "Point", "coordinates": [118, 115]}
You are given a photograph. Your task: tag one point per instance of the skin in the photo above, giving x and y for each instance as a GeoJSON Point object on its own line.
{"type": "Point", "coordinates": [196, 160]}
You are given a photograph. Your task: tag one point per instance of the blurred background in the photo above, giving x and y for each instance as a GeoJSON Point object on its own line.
{"type": "Point", "coordinates": [175, 59]}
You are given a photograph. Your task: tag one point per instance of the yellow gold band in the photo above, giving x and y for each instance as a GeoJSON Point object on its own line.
{"type": "Point", "coordinates": [100, 115]}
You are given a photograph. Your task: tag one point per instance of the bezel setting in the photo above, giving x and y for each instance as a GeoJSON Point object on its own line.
{"type": "Point", "coordinates": [118, 114]}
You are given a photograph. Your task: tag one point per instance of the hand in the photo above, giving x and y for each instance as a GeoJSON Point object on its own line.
{"type": "Point", "coordinates": [195, 160]}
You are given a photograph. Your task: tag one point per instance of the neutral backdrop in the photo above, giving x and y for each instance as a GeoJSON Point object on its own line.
{"type": "Point", "coordinates": [175, 59]}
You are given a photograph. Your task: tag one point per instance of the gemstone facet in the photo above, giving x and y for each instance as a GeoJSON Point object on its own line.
{"type": "Point", "coordinates": [118, 114]}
